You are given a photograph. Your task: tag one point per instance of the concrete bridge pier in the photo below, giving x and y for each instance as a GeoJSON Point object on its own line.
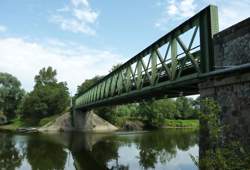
{"type": "Point", "coordinates": [232, 90]}
{"type": "Point", "coordinates": [88, 121]}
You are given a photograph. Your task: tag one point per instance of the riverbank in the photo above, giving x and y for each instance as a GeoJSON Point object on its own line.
{"type": "Point", "coordinates": [179, 123]}
{"type": "Point", "coordinates": [18, 124]}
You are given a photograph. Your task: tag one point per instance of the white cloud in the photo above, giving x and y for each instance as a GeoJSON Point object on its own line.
{"type": "Point", "coordinates": [80, 2]}
{"type": "Point", "coordinates": [176, 10]}
{"type": "Point", "coordinates": [77, 17]}
{"type": "Point", "coordinates": [3, 28]}
{"type": "Point", "coordinates": [230, 12]}
{"type": "Point", "coordinates": [73, 66]}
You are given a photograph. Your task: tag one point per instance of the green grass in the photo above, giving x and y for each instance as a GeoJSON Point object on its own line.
{"type": "Point", "coordinates": [14, 124]}
{"type": "Point", "coordinates": [46, 120]}
{"type": "Point", "coordinates": [18, 122]}
{"type": "Point", "coordinates": [181, 123]}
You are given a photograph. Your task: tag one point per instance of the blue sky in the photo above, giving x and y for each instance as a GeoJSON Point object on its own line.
{"type": "Point", "coordinates": [83, 38]}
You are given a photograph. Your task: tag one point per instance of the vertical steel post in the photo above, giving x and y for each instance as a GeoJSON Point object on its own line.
{"type": "Point", "coordinates": [153, 59]}
{"type": "Point", "coordinates": [173, 44]}
{"type": "Point", "coordinates": [208, 27]}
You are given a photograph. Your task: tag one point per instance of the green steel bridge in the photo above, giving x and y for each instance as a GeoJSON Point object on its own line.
{"type": "Point", "coordinates": [172, 65]}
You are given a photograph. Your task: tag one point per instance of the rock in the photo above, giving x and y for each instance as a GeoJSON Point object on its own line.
{"type": "Point", "coordinates": [90, 122]}
{"type": "Point", "coordinates": [133, 125]}
{"type": "Point", "coordinates": [27, 130]}
{"type": "Point", "coordinates": [83, 121]}
{"type": "Point", "coordinates": [62, 123]}
{"type": "Point", "coordinates": [3, 120]}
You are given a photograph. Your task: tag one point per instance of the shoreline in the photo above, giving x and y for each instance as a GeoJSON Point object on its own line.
{"type": "Point", "coordinates": [39, 129]}
{"type": "Point", "coordinates": [53, 127]}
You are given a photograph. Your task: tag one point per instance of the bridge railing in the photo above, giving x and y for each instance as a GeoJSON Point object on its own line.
{"type": "Point", "coordinates": [184, 52]}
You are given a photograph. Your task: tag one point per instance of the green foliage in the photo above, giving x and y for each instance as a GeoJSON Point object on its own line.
{"type": "Point", "coordinates": [46, 77]}
{"type": "Point", "coordinates": [47, 120]}
{"type": "Point", "coordinates": [114, 67]}
{"type": "Point", "coordinates": [217, 153]}
{"type": "Point", "coordinates": [87, 84]}
{"type": "Point", "coordinates": [181, 123]}
{"type": "Point", "coordinates": [106, 113]}
{"type": "Point", "coordinates": [153, 113]}
{"type": "Point", "coordinates": [49, 97]}
{"type": "Point", "coordinates": [150, 114]}
{"type": "Point", "coordinates": [185, 108]}
{"type": "Point", "coordinates": [10, 94]}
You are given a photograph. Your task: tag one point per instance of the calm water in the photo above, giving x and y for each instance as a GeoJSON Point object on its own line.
{"type": "Point", "coordinates": [163, 149]}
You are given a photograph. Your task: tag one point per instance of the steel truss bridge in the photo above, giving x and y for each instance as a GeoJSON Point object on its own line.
{"type": "Point", "coordinates": [172, 65]}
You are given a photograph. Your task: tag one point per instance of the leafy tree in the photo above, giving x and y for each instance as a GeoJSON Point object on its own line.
{"type": "Point", "coordinates": [10, 94]}
{"type": "Point", "coordinates": [49, 97]}
{"type": "Point", "coordinates": [184, 108]}
{"type": "Point", "coordinates": [45, 77]}
{"type": "Point", "coordinates": [87, 84]}
{"type": "Point", "coordinates": [150, 114]}
{"type": "Point", "coordinates": [114, 67]}
{"type": "Point", "coordinates": [166, 107]}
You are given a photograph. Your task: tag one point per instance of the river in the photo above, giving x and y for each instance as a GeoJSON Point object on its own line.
{"type": "Point", "coordinates": [162, 149]}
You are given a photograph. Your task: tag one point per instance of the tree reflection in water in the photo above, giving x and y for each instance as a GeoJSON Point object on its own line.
{"type": "Point", "coordinates": [153, 146]}
{"type": "Point", "coordinates": [94, 151]}
{"type": "Point", "coordinates": [10, 156]}
{"type": "Point", "coordinates": [44, 155]}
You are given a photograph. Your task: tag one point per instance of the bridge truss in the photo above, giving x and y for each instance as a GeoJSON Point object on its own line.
{"type": "Point", "coordinates": [169, 67]}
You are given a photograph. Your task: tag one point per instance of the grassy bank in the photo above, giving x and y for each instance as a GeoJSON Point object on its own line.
{"type": "Point", "coordinates": [181, 123]}
{"type": "Point", "coordinates": [18, 122]}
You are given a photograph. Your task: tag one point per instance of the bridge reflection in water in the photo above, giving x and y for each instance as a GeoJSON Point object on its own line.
{"type": "Point", "coordinates": [158, 149]}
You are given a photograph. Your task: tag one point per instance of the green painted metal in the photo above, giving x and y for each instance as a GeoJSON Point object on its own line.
{"type": "Point", "coordinates": [170, 65]}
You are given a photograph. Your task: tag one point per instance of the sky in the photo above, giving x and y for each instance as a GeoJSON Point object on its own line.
{"type": "Point", "coordinates": [84, 38]}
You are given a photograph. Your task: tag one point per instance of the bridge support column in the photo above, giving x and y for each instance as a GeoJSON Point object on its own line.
{"type": "Point", "coordinates": [231, 91]}
{"type": "Point", "coordinates": [88, 121]}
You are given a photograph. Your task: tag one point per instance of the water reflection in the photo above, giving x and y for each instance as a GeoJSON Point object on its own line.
{"type": "Point", "coordinates": [10, 157]}
{"type": "Point", "coordinates": [44, 155]}
{"type": "Point", "coordinates": [164, 149]}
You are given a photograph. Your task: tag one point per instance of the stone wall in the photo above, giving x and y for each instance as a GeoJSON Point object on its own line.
{"type": "Point", "coordinates": [232, 46]}
{"type": "Point", "coordinates": [232, 91]}
{"type": "Point", "coordinates": [233, 95]}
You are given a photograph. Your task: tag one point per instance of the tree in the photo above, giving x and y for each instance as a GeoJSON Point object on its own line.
{"type": "Point", "coordinates": [166, 107]}
{"type": "Point", "coordinates": [45, 77]}
{"type": "Point", "coordinates": [10, 94]}
{"type": "Point", "coordinates": [150, 114]}
{"type": "Point", "coordinates": [49, 97]}
{"type": "Point", "coordinates": [87, 84]}
{"type": "Point", "coordinates": [184, 108]}
{"type": "Point", "coordinates": [114, 67]}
